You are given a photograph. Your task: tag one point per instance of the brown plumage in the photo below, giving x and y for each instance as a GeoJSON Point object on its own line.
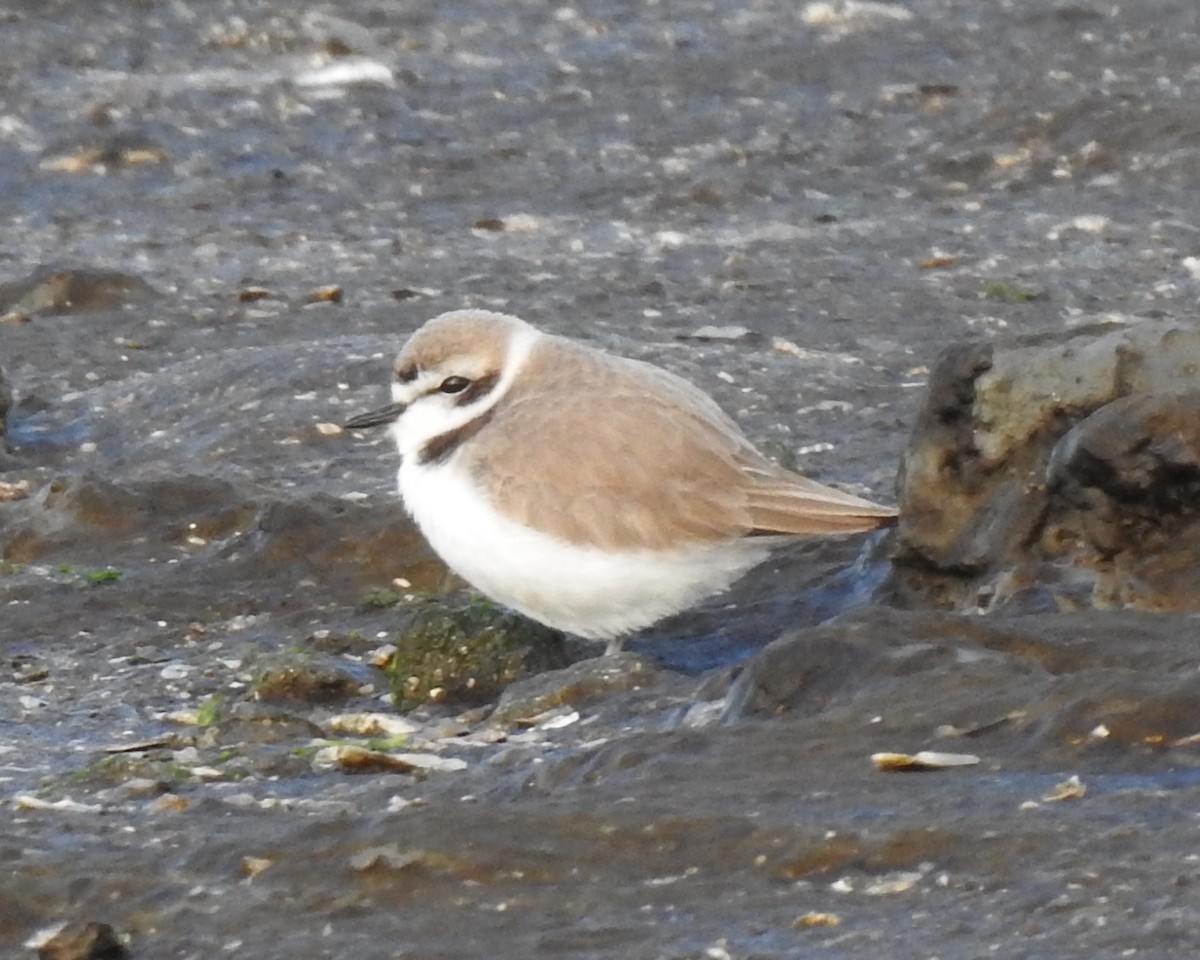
{"type": "Point", "coordinates": [657, 465]}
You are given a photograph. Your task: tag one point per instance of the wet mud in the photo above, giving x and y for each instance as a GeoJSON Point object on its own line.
{"type": "Point", "coordinates": [941, 250]}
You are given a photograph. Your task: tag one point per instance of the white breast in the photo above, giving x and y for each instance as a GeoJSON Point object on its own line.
{"type": "Point", "coordinates": [591, 593]}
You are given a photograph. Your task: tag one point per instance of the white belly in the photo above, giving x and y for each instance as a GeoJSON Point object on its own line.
{"type": "Point", "coordinates": [591, 593]}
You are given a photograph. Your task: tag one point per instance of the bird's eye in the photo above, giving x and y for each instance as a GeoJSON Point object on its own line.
{"type": "Point", "coordinates": [454, 385]}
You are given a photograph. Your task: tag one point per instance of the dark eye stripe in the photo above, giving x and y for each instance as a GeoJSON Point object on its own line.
{"type": "Point", "coordinates": [480, 387]}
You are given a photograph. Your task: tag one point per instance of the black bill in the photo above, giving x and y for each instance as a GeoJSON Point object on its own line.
{"type": "Point", "coordinates": [375, 418]}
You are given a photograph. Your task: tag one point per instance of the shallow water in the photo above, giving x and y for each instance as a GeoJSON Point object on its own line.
{"type": "Point", "coordinates": [857, 191]}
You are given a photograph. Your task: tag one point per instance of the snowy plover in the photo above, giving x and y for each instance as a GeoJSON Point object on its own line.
{"type": "Point", "coordinates": [593, 493]}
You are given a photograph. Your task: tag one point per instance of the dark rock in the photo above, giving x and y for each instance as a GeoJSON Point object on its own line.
{"type": "Point", "coordinates": [301, 678]}
{"type": "Point", "coordinates": [54, 290]}
{"type": "Point", "coordinates": [465, 650]}
{"type": "Point", "coordinates": [575, 685]}
{"type": "Point", "coordinates": [1056, 471]}
{"type": "Point", "coordinates": [329, 537]}
{"type": "Point", "coordinates": [941, 453]}
{"type": "Point", "coordinates": [1124, 489]}
{"type": "Point", "coordinates": [1080, 682]}
{"type": "Point", "coordinates": [867, 662]}
{"type": "Point", "coordinates": [253, 721]}
{"type": "Point", "coordinates": [83, 941]}
{"type": "Point", "coordinates": [230, 527]}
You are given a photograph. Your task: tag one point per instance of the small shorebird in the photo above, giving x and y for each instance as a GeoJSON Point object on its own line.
{"type": "Point", "coordinates": [593, 493]}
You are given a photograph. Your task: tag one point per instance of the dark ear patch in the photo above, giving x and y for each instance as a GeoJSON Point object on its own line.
{"type": "Point", "coordinates": [480, 387]}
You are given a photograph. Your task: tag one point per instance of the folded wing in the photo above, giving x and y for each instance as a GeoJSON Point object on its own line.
{"type": "Point", "coordinates": [657, 466]}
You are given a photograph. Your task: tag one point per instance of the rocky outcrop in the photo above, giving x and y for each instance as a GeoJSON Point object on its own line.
{"type": "Point", "coordinates": [1054, 473]}
{"type": "Point", "coordinates": [203, 547]}
{"type": "Point", "coordinates": [55, 290]}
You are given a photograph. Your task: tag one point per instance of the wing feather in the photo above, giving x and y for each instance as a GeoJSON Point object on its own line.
{"type": "Point", "coordinates": [658, 465]}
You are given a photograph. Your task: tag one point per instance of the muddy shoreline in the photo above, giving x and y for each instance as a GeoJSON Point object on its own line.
{"type": "Point", "coordinates": [222, 220]}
